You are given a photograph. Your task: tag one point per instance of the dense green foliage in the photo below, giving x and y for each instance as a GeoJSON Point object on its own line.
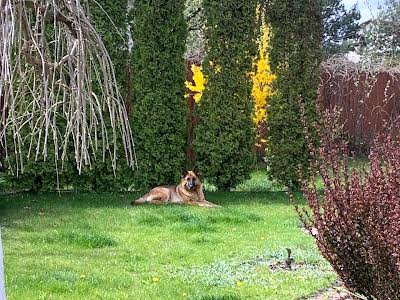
{"type": "Point", "coordinates": [46, 175]}
{"type": "Point", "coordinates": [111, 21]}
{"type": "Point", "coordinates": [296, 53]}
{"type": "Point", "coordinates": [160, 112]}
{"type": "Point", "coordinates": [224, 136]}
{"type": "Point", "coordinates": [341, 28]}
{"type": "Point", "coordinates": [38, 175]}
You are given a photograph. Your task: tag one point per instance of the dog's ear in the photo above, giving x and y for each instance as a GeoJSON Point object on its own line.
{"type": "Point", "coordinates": [196, 171]}
{"type": "Point", "coordinates": [184, 172]}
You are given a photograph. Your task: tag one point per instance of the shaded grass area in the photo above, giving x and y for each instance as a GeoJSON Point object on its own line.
{"type": "Point", "coordinates": [96, 246]}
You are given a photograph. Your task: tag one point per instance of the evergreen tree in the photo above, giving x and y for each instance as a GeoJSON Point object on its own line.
{"type": "Point", "coordinates": [159, 111]}
{"type": "Point", "coordinates": [341, 27]}
{"type": "Point", "coordinates": [296, 54]}
{"type": "Point", "coordinates": [225, 135]}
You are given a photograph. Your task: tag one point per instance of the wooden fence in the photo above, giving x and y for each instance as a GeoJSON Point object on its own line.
{"type": "Point", "coordinates": [369, 102]}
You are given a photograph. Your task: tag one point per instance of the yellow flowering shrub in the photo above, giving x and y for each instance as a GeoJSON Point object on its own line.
{"type": "Point", "coordinates": [216, 67]}
{"type": "Point", "coordinates": [262, 77]}
{"type": "Point", "coordinates": [198, 84]}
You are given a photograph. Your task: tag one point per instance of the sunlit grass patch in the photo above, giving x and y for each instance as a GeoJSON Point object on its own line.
{"type": "Point", "coordinates": [255, 271]}
{"type": "Point", "coordinates": [91, 246]}
{"type": "Point", "coordinates": [218, 297]}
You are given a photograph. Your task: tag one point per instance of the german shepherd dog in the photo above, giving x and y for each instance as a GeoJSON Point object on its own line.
{"type": "Point", "coordinates": [188, 192]}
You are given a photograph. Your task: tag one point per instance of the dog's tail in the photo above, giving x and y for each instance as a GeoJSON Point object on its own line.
{"type": "Point", "coordinates": [138, 201]}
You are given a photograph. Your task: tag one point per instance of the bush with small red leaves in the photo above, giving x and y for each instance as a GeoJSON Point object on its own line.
{"type": "Point", "coordinates": [356, 220]}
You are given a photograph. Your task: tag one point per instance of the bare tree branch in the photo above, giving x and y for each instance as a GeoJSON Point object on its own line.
{"type": "Point", "coordinates": [57, 86]}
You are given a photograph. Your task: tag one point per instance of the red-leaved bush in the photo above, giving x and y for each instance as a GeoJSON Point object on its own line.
{"type": "Point", "coordinates": [356, 220]}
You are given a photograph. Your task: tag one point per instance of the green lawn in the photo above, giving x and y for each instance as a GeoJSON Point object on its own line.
{"type": "Point", "coordinates": [96, 246]}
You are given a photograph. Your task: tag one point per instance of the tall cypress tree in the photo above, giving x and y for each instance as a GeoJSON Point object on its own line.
{"type": "Point", "coordinates": [296, 54]}
{"type": "Point", "coordinates": [225, 135]}
{"type": "Point", "coordinates": [111, 21]}
{"type": "Point", "coordinates": [159, 109]}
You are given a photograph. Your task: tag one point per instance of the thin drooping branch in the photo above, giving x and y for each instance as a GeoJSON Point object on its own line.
{"type": "Point", "coordinates": [57, 86]}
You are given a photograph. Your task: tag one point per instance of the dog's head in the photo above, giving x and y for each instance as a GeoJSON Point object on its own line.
{"type": "Point", "coordinates": [190, 180]}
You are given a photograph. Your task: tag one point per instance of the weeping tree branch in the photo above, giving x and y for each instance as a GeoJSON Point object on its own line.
{"type": "Point", "coordinates": [58, 86]}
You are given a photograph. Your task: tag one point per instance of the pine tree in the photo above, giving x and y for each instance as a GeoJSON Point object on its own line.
{"type": "Point", "coordinates": [341, 27]}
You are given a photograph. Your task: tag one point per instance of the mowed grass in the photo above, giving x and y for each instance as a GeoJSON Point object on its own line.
{"type": "Point", "coordinates": [96, 246]}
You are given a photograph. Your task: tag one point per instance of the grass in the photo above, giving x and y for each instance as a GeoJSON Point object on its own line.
{"type": "Point", "coordinates": [96, 246]}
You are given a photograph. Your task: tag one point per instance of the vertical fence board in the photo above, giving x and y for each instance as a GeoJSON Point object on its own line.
{"type": "Point", "coordinates": [369, 101]}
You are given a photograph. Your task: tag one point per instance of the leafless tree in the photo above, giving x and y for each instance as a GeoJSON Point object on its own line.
{"type": "Point", "coordinates": [57, 86]}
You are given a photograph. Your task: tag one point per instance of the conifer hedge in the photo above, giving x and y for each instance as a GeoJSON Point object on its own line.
{"type": "Point", "coordinates": [159, 110]}
{"type": "Point", "coordinates": [225, 135]}
{"type": "Point", "coordinates": [296, 53]}
{"type": "Point", "coordinates": [110, 18]}
{"type": "Point", "coordinates": [111, 21]}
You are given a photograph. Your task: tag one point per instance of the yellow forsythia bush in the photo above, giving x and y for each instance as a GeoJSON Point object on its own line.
{"type": "Point", "coordinates": [262, 78]}
{"type": "Point", "coordinates": [199, 82]}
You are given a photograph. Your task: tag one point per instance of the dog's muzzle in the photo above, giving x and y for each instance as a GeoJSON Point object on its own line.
{"type": "Point", "coordinates": [191, 185]}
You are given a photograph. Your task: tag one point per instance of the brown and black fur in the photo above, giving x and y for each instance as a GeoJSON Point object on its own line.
{"type": "Point", "coordinates": [188, 192]}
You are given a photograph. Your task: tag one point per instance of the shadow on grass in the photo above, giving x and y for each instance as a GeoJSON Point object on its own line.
{"type": "Point", "coordinates": [19, 206]}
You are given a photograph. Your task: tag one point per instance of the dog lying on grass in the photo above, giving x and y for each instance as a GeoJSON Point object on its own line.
{"type": "Point", "coordinates": [188, 192]}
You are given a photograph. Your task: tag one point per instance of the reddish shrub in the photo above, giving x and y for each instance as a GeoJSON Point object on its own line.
{"type": "Point", "coordinates": [356, 220]}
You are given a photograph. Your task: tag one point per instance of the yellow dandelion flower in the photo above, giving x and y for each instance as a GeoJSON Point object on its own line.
{"type": "Point", "coordinates": [239, 283]}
